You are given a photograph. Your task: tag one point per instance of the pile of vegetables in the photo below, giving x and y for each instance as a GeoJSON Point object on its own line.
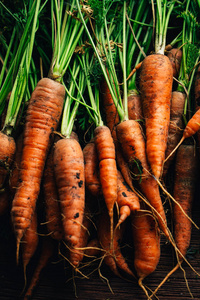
{"type": "Point", "coordinates": [100, 119]}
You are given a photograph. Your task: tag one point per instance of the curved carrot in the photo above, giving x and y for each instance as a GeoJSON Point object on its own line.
{"type": "Point", "coordinates": [70, 181]}
{"type": "Point", "coordinates": [51, 198]}
{"type": "Point", "coordinates": [156, 78]}
{"type": "Point", "coordinates": [43, 114]}
{"type": "Point", "coordinates": [7, 152]}
{"type": "Point", "coordinates": [92, 180]}
{"type": "Point", "coordinates": [133, 144]}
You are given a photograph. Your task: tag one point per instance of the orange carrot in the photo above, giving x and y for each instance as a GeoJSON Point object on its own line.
{"type": "Point", "coordinates": [45, 256]}
{"type": "Point", "coordinates": [133, 144]}
{"type": "Point", "coordinates": [70, 181]}
{"type": "Point", "coordinates": [175, 126]}
{"type": "Point", "coordinates": [127, 200]}
{"type": "Point", "coordinates": [156, 78]}
{"type": "Point", "coordinates": [7, 151]}
{"type": "Point", "coordinates": [107, 167]}
{"type": "Point", "coordinates": [175, 57]}
{"type": "Point", "coordinates": [51, 198]}
{"type": "Point", "coordinates": [14, 174]}
{"type": "Point", "coordinates": [91, 161]}
{"type": "Point", "coordinates": [184, 187]}
{"type": "Point", "coordinates": [134, 106]}
{"type": "Point", "coordinates": [112, 256]}
{"type": "Point", "coordinates": [146, 240]}
{"type": "Point", "coordinates": [30, 242]}
{"type": "Point", "coordinates": [43, 114]}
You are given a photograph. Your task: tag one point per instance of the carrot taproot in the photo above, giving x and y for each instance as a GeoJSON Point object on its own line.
{"type": "Point", "coordinates": [7, 152]}
{"type": "Point", "coordinates": [30, 242]}
{"type": "Point", "coordinates": [156, 79]}
{"type": "Point", "coordinates": [112, 256]}
{"type": "Point", "coordinates": [52, 206]}
{"type": "Point", "coordinates": [42, 118]}
{"type": "Point", "coordinates": [175, 57]}
{"type": "Point", "coordinates": [135, 106]}
{"type": "Point", "coordinates": [92, 180]}
{"type": "Point", "coordinates": [45, 255]}
{"type": "Point", "coordinates": [127, 199]}
{"type": "Point", "coordinates": [175, 127]}
{"type": "Point", "coordinates": [131, 138]}
{"type": "Point", "coordinates": [70, 181]}
{"type": "Point", "coordinates": [146, 241]}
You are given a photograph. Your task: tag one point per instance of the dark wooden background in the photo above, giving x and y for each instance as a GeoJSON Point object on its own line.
{"type": "Point", "coordinates": [56, 279]}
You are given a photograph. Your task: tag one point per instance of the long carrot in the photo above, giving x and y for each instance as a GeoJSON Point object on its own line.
{"type": "Point", "coordinates": [52, 206]}
{"type": "Point", "coordinates": [42, 119]}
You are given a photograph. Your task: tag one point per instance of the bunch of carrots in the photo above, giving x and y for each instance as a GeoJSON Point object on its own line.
{"type": "Point", "coordinates": [88, 150]}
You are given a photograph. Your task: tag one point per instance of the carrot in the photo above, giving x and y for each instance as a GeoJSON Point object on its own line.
{"type": "Point", "coordinates": [175, 56]}
{"type": "Point", "coordinates": [175, 126]}
{"type": "Point", "coordinates": [30, 242]}
{"type": "Point", "coordinates": [45, 256]}
{"type": "Point", "coordinates": [156, 78]}
{"type": "Point", "coordinates": [14, 174]}
{"type": "Point", "coordinates": [92, 180]}
{"type": "Point", "coordinates": [184, 188]}
{"type": "Point", "coordinates": [146, 240]}
{"type": "Point", "coordinates": [197, 98]}
{"type": "Point", "coordinates": [135, 106]}
{"type": "Point", "coordinates": [43, 114]}
{"type": "Point", "coordinates": [107, 167]}
{"type": "Point", "coordinates": [51, 198]}
{"type": "Point", "coordinates": [112, 256]}
{"type": "Point", "coordinates": [7, 151]}
{"type": "Point", "coordinates": [127, 200]}
{"type": "Point", "coordinates": [131, 138]}
{"type": "Point", "coordinates": [70, 181]}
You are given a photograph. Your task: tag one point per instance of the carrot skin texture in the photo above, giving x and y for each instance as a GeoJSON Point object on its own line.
{"type": "Point", "coordinates": [175, 127]}
{"type": "Point", "coordinates": [42, 118]}
{"type": "Point", "coordinates": [51, 198]}
{"type": "Point", "coordinates": [193, 125]}
{"type": "Point", "coordinates": [70, 181]}
{"type": "Point", "coordinates": [156, 79]}
{"type": "Point", "coordinates": [92, 180]}
{"type": "Point", "coordinates": [7, 152]}
{"type": "Point", "coordinates": [133, 144]}
{"type": "Point", "coordinates": [186, 167]}
{"type": "Point", "coordinates": [146, 239]}
{"type": "Point", "coordinates": [134, 106]}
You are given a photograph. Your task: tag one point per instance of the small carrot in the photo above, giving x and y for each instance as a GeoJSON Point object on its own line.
{"type": "Point", "coordinates": [127, 200]}
{"type": "Point", "coordinates": [70, 181]}
{"type": "Point", "coordinates": [7, 152]}
{"type": "Point", "coordinates": [45, 255]}
{"type": "Point", "coordinates": [146, 240]}
{"type": "Point", "coordinates": [92, 180]}
{"type": "Point", "coordinates": [51, 198]}
{"type": "Point", "coordinates": [175, 57]}
{"type": "Point", "coordinates": [175, 126]}
{"type": "Point", "coordinates": [42, 117]}
{"type": "Point", "coordinates": [112, 255]}
{"type": "Point", "coordinates": [135, 106]}
{"type": "Point", "coordinates": [156, 78]}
